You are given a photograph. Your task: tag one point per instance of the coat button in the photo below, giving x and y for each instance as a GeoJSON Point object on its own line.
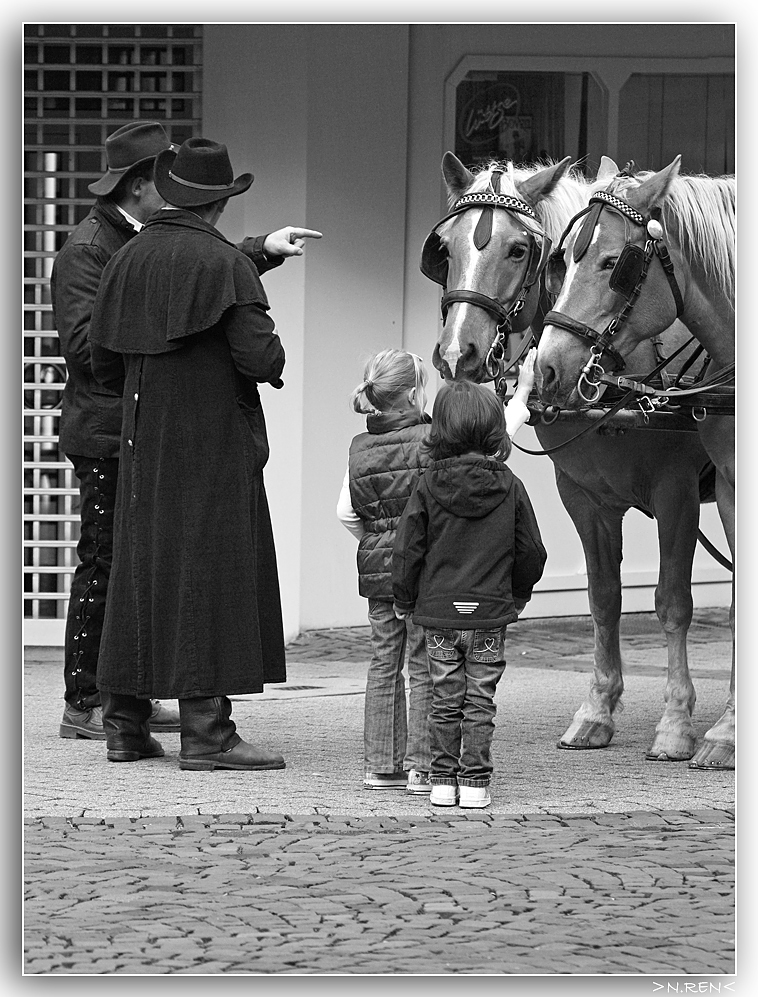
{"type": "Point", "coordinates": [136, 396]}
{"type": "Point", "coordinates": [130, 443]}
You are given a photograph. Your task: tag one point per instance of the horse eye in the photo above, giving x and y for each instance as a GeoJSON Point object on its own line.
{"type": "Point", "coordinates": [611, 263]}
{"type": "Point", "coordinates": [518, 252]}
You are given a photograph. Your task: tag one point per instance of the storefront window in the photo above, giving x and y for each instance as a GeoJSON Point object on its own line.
{"type": "Point", "coordinates": [662, 116]}
{"type": "Point", "coordinates": [526, 117]}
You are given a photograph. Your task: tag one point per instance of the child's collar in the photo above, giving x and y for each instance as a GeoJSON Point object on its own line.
{"type": "Point", "coordinates": [388, 422]}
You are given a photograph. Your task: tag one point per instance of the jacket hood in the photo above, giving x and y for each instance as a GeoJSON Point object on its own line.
{"type": "Point", "coordinates": [470, 486]}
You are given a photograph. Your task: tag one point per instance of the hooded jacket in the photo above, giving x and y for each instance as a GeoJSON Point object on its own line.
{"type": "Point", "coordinates": [468, 546]}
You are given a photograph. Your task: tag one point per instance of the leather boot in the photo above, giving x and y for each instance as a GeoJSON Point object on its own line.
{"type": "Point", "coordinates": [210, 739]}
{"type": "Point", "coordinates": [127, 728]}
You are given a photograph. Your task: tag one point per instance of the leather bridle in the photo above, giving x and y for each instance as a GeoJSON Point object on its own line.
{"type": "Point", "coordinates": [626, 279]}
{"type": "Point", "coordinates": [434, 265]}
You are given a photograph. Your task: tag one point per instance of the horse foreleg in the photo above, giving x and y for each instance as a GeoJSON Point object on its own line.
{"type": "Point", "coordinates": [677, 511]}
{"type": "Point", "coordinates": [717, 749]}
{"type": "Point", "coordinates": [593, 725]}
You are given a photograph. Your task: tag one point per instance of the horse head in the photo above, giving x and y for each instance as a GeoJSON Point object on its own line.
{"type": "Point", "coordinates": [623, 275]}
{"type": "Point", "coordinates": [488, 254]}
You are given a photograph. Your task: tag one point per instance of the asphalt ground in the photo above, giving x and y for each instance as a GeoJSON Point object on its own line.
{"type": "Point", "coordinates": [587, 865]}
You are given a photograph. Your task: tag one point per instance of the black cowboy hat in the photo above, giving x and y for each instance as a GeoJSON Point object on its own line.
{"type": "Point", "coordinates": [129, 145]}
{"type": "Point", "coordinates": [199, 173]}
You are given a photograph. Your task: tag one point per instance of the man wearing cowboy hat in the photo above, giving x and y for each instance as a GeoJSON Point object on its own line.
{"type": "Point", "coordinates": [90, 424]}
{"type": "Point", "coordinates": [181, 329]}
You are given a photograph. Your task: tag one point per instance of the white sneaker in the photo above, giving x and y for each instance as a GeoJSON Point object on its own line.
{"type": "Point", "coordinates": [443, 796]}
{"type": "Point", "coordinates": [418, 782]}
{"type": "Point", "coordinates": [475, 796]}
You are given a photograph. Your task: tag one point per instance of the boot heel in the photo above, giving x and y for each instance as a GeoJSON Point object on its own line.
{"type": "Point", "coordinates": [68, 731]}
{"type": "Point", "coordinates": [124, 756]}
{"type": "Point", "coordinates": [196, 765]}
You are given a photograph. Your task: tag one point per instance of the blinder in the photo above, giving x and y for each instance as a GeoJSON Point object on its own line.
{"type": "Point", "coordinates": [538, 261]}
{"type": "Point", "coordinates": [624, 277]}
{"type": "Point", "coordinates": [628, 270]}
{"type": "Point", "coordinates": [434, 259]}
{"type": "Point", "coordinates": [555, 272]}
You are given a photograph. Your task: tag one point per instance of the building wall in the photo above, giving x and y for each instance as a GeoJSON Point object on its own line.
{"type": "Point", "coordinates": [344, 127]}
{"type": "Point", "coordinates": [263, 122]}
{"type": "Point", "coordinates": [435, 52]}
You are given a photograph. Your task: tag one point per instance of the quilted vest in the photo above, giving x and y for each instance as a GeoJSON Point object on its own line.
{"type": "Point", "coordinates": [385, 464]}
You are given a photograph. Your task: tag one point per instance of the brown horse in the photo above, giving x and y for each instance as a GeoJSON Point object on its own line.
{"type": "Point", "coordinates": [652, 247]}
{"type": "Point", "coordinates": [484, 253]}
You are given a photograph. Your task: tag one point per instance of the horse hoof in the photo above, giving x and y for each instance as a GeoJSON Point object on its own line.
{"type": "Point", "coordinates": [714, 756]}
{"type": "Point", "coordinates": [671, 748]}
{"type": "Point", "coordinates": [663, 756]}
{"type": "Point", "coordinates": [587, 735]}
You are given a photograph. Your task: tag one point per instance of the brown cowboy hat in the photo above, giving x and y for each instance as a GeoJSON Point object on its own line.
{"type": "Point", "coordinates": [129, 145]}
{"type": "Point", "coordinates": [199, 173]}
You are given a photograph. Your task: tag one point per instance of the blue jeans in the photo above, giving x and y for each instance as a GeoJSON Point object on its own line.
{"type": "Point", "coordinates": [466, 666]}
{"type": "Point", "coordinates": [394, 740]}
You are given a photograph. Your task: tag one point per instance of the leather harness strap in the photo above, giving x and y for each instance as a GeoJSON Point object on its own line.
{"type": "Point", "coordinates": [433, 265]}
{"type": "Point", "coordinates": [626, 279]}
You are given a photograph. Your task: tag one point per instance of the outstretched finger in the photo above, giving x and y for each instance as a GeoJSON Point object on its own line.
{"type": "Point", "coordinates": [304, 233]}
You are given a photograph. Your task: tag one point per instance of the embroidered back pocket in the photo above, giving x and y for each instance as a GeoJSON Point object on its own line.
{"type": "Point", "coordinates": [489, 645]}
{"type": "Point", "coordinates": [440, 644]}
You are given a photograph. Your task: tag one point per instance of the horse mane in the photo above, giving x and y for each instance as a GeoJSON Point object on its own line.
{"type": "Point", "coordinates": [554, 212]}
{"type": "Point", "coordinates": [699, 211]}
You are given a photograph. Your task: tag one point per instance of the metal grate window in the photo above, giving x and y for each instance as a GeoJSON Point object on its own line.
{"type": "Point", "coordinates": [81, 82]}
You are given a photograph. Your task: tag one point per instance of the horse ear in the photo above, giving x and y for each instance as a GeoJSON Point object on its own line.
{"type": "Point", "coordinates": [652, 191]}
{"type": "Point", "coordinates": [607, 170]}
{"type": "Point", "coordinates": [457, 177]}
{"type": "Point", "coordinates": [539, 186]}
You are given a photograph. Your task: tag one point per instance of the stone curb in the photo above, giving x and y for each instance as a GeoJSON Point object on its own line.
{"type": "Point", "coordinates": [633, 820]}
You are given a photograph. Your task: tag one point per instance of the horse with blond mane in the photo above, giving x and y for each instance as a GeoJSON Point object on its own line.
{"type": "Point", "coordinates": [489, 253]}
{"type": "Point", "coordinates": [674, 236]}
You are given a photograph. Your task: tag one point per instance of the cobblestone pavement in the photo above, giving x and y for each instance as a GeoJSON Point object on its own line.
{"type": "Point", "coordinates": [633, 893]}
{"type": "Point", "coordinates": [587, 864]}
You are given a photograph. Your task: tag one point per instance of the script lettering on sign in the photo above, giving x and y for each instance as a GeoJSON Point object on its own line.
{"type": "Point", "coordinates": [487, 112]}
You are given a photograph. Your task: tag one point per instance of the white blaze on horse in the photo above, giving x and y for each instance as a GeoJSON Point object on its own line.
{"type": "Point", "coordinates": [653, 247]}
{"type": "Point", "coordinates": [489, 254]}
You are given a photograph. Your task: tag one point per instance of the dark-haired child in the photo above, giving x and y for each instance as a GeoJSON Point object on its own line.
{"type": "Point", "coordinates": [466, 557]}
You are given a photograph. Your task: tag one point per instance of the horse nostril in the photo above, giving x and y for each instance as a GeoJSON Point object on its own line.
{"type": "Point", "coordinates": [469, 359]}
{"type": "Point", "coordinates": [548, 380]}
{"type": "Point", "coordinates": [440, 364]}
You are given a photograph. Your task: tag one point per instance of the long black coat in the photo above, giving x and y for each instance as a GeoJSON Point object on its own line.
{"type": "Point", "coordinates": [180, 326]}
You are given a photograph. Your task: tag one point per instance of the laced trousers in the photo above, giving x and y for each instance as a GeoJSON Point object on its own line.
{"type": "Point", "coordinates": [98, 477]}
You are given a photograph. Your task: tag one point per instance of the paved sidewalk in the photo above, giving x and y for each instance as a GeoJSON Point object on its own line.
{"type": "Point", "coordinates": [587, 863]}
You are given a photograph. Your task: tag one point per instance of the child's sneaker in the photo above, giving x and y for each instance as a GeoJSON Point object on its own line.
{"type": "Point", "coordinates": [475, 796]}
{"type": "Point", "coordinates": [385, 780]}
{"type": "Point", "coordinates": [418, 782]}
{"type": "Point", "coordinates": [443, 795]}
